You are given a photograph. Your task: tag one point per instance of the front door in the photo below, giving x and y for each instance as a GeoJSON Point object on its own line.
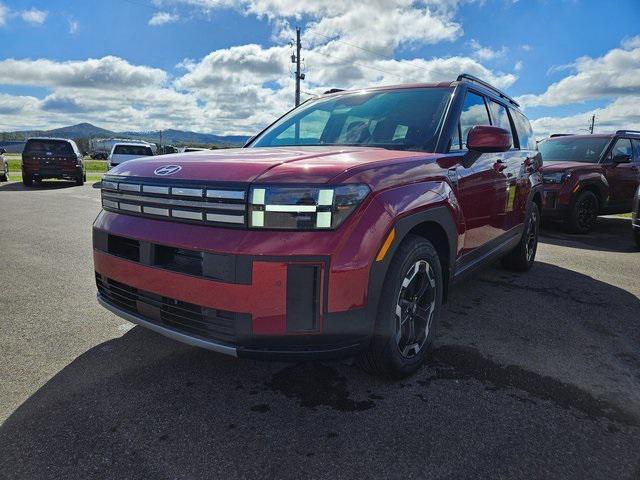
{"type": "Point", "coordinates": [622, 177]}
{"type": "Point", "coordinates": [479, 182]}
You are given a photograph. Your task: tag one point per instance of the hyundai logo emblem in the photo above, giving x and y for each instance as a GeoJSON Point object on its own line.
{"type": "Point", "coordinates": [167, 170]}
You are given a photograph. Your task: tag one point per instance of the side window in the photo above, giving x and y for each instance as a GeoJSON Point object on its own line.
{"type": "Point", "coordinates": [310, 129]}
{"type": "Point", "coordinates": [525, 133]}
{"type": "Point", "coordinates": [499, 115]}
{"type": "Point", "coordinates": [622, 147]}
{"type": "Point", "coordinates": [474, 112]}
{"type": "Point", "coordinates": [636, 147]}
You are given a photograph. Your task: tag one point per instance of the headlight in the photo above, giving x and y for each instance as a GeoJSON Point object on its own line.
{"type": "Point", "coordinates": [303, 207]}
{"type": "Point", "coordinates": [558, 177]}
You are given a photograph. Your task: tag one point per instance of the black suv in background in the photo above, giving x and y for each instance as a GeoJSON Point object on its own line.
{"type": "Point", "coordinates": [52, 158]}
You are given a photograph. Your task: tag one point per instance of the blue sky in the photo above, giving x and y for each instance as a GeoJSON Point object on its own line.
{"type": "Point", "coordinates": [222, 65]}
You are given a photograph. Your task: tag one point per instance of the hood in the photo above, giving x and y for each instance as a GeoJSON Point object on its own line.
{"type": "Point", "coordinates": [287, 164]}
{"type": "Point", "coordinates": [551, 167]}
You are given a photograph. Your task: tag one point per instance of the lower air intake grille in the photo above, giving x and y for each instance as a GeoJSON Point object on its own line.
{"type": "Point", "coordinates": [183, 317]}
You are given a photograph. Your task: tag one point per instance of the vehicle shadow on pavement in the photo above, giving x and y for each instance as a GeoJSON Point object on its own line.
{"type": "Point", "coordinates": [19, 186]}
{"type": "Point", "coordinates": [609, 235]}
{"type": "Point", "coordinates": [524, 365]}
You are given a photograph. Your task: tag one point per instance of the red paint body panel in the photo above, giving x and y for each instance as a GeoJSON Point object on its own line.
{"type": "Point", "coordinates": [264, 299]}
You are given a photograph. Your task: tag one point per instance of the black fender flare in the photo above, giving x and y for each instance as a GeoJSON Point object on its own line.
{"type": "Point", "coordinates": [440, 215]}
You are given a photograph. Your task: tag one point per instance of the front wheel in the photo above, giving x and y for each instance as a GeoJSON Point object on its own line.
{"type": "Point", "coordinates": [5, 176]}
{"type": "Point", "coordinates": [407, 312]}
{"type": "Point", "coordinates": [27, 180]}
{"type": "Point", "coordinates": [80, 180]}
{"type": "Point", "coordinates": [636, 236]}
{"type": "Point", "coordinates": [521, 258]}
{"type": "Point", "coordinates": [584, 213]}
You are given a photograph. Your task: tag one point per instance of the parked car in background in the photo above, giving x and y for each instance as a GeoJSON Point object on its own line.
{"type": "Point", "coordinates": [58, 158]}
{"type": "Point", "coordinates": [100, 148]}
{"type": "Point", "coordinates": [337, 231]}
{"type": "Point", "coordinates": [635, 218]}
{"type": "Point", "coordinates": [589, 175]}
{"type": "Point", "coordinates": [4, 166]}
{"type": "Point", "coordinates": [121, 152]}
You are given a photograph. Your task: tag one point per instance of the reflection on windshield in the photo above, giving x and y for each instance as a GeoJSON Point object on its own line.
{"type": "Point", "coordinates": [565, 149]}
{"type": "Point", "coordinates": [403, 119]}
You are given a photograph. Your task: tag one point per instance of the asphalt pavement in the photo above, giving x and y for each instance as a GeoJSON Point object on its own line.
{"type": "Point", "coordinates": [533, 376]}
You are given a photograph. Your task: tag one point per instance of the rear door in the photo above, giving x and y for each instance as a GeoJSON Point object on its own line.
{"type": "Point", "coordinates": [477, 182]}
{"type": "Point", "coordinates": [622, 177]}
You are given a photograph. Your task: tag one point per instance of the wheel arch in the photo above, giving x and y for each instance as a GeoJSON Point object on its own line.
{"type": "Point", "coordinates": [435, 224]}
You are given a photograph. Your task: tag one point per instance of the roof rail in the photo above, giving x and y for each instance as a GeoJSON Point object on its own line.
{"type": "Point", "coordinates": [471, 78]}
{"type": "Point", "coordinates": [333, 90]}
{"type": "Point", "coordinates": [622, 132]}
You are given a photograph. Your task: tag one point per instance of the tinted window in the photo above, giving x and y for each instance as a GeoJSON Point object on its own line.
{"type": "Point", "coordinates": [573, 149]}
{"type": "Point", "coordinates": [622, 147]}
{"type": "Point", "coordinates": [48, 147]}
{"type": "Point", "coordinates": [499, 115]}
{"type": "Point", "coordinates": [525, 133]}
{"type": "Point", "coordinates": [132, 150]}
{"type": "Point", "coordinates": [474, 112]}
{"type": "Point", "coordinates": [404, 119]}
{"type": "Point", "coordinates": [636, 146]}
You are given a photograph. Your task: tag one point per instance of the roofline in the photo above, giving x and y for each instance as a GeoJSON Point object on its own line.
{"type": "Point", "coordinates": [470, 78]}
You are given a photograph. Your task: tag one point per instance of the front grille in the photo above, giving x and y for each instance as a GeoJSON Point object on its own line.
{"type": "Point", "coordinates": [218, 205]}
{"type": "Point", "coordinates": [183, 317]}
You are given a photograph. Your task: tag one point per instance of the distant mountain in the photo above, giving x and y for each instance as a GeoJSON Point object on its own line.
{"type": "Point", "coordinates": [87, 130]}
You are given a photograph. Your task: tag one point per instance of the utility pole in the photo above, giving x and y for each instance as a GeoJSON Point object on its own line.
{"type": "Point", "coordinates": [593, 122]}
{"type": "Point", "coordinates": [296, 59]}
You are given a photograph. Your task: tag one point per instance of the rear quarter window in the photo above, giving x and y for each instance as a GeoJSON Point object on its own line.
{"type": "Point", "coordinates": [524, 130]}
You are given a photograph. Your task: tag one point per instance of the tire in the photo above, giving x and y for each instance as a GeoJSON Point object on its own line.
{"type": "Point", "coordinates": [5, 176]}
{"type": "Point", "coordinates": [27, 180]}
{"type": "Point", "coordinates": [521, 258]}
{"type": "Point", "coordinates": [398, 347]}
{"type": "Point", "coordinates": [584, 213]}
{"type": "Point", "coordinates": [636, 236]}
{"type": "Point", "coordinates": [80, 180]}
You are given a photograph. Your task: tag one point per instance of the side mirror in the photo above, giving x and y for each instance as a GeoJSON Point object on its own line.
{"type": "Point", "coordinates": [621, 158]}
{"type": "Point", "coordinates": [486, 139]}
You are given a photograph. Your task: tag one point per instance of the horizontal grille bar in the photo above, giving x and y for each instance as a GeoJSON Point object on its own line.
{"type": "Point", "coordinates": [182, 203]}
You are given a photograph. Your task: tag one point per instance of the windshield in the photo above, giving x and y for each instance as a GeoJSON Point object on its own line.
{"type": "Point", "coordinates": [403, 119]}
{"type": "Point", "coordinates": [132, 150]}
{"type": "Point", "coordinates": [568, 149]}
{"type": "Point", "coordinates": [51, 147]}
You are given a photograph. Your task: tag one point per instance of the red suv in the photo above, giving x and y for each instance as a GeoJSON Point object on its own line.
{"type": "Point", "coordinates": [336, 231]}
{"type": "Point", "coordinates": [589, 175]}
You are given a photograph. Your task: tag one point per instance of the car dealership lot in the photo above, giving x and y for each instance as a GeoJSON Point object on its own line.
{"type": "Point", "coordinates": [533, 376]}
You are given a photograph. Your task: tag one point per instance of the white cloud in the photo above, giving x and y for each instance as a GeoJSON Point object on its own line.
{"type": "Point", "coordinates": [162, 18]}
{"type": "Point", "coordinates": [34, 16]}
{"type": "Point", "coordinates": [4, 13]}
{"type": "Point", "coordinates": [518, 66]}
{"type": "Point", "coordinates": [109, 73]}
{"type": "Point", "coordinates": [74, 25]}
{"type": "Point", "coordinates": [486, 53]}
{"type": "Point", "coordinates": [622, 113]}
{"type": "Point", "coordinates": [615, 74]}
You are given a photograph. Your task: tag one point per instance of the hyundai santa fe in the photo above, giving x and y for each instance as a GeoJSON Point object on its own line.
{"type": "Point", "coordinates": [337, 231]}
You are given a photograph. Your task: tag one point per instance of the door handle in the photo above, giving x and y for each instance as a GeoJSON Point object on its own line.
{"type": "Point", "coordinates": [499, 166]}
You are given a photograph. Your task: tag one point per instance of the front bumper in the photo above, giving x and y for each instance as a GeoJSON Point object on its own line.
{"type": "Point", "coordinates": [305, 295]}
